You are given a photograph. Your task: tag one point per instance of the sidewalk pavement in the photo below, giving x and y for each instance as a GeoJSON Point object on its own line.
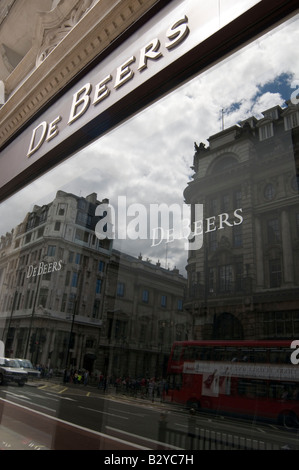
{"type": "Point", "coordinates": [11, 440]}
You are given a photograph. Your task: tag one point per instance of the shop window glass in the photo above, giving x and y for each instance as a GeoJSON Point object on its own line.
{"type": "Point", "coordinates": [237, 279]}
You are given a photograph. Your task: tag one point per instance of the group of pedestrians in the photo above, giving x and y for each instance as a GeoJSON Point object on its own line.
{"type": "Point", "coordinates": [142, 387]}
{"type": "Point", "coordinates": [76, 376]}
{"type": "Point", "coordinates": [150, 388]}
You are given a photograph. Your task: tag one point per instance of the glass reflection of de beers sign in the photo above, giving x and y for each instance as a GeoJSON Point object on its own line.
{"type": "Point", "coordinates": [82, 113]}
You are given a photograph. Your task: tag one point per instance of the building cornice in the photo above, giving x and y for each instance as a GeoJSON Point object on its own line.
{"type": "Point", "coordinates": [89, 38]}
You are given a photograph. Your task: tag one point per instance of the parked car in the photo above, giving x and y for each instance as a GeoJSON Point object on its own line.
{"type": "Point", "coordinates": [11, 371]}
{"type": "Point", "coordinates": [28, 367]}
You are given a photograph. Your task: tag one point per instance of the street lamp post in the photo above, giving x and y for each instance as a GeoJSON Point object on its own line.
{"type": "Point", "coordinates": [10, 317]}
{"type": "Point", "coordinates": [32, 315]}
{"type": "Point", "coordinates": [70, 336]}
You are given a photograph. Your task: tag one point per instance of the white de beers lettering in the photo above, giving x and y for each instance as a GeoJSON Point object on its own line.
{"type": "Point", "coordinates": [295, 354]}
{"type": "Point", "coordinates": [43, 268]}
{"type": "Point", "coordinates": [98, 92]}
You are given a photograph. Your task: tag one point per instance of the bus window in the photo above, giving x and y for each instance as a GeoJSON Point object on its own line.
{"type": "Point", "coordinates": [290, 391]}
{"type": "Point", "coordinates": [223, 354]}
{"type": "Point", "coordinates": [275, 390]}
{"type": "Point", "coordinates": [207, 354]}
{"type": "Point", "coordinates": [192, 353]}
{"type": "Point", "coordinates": [177, 352]}
{"type": "Point", "coordinates": [279, 356]}
{"type": "Point", "coordinates": [252, 388]}
{"type": "Point", "coordinates": [260, 355]}
{"type": "Point", "coordinates": [175, 381]}
{"type": "Point", "coordinates": [261, 389]}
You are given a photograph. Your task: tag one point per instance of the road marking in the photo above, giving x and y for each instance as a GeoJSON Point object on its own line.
{"type": "Point", "coordinates": [102, 412]}
{"type": "Point", "coordinates": [63, 390]}
{"type": "Point", "coordinates": [52, 396]}
{"type": "Point", "coordinates": [129, 413]}
{"type": "Point", "coordinates": [261, 430]}
{"type": "Point", "coordinates": [17, 396]}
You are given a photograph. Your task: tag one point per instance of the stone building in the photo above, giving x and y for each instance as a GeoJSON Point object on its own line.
{"type": "Point", "coordinates": [244, 282]}
{"type": "Point", "coordinates": [53, 265]}
{"type": "Point", "coordinates": [69, 299]}
{"type": "Point", "coordinates": [144, 316]}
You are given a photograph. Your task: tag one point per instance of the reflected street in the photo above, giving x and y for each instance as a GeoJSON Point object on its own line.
{"type": "Point", "coordinates": [122, 417]}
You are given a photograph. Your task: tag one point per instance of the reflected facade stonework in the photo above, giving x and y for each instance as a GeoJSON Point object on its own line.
{"type": "Point", "coordinates": [244, 283]}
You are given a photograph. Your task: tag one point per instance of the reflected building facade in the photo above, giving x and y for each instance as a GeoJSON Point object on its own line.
{"type": "Point", "coordinates": [243, 283]}
{"type": "Point", "coordinates": [69, 299]}
{"type": "Point", "coordinates": [144, 316]}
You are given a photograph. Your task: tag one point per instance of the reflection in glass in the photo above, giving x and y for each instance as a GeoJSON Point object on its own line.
{"type": "Point", "coordinates": [75, 303]}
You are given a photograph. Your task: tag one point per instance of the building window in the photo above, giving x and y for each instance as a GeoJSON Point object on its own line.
{"type": "Point", "coordinates": [61, 209]}
{"type": "Point", "coordinates": [295, 183]}
{"type": "Point", "coordinates": [163, 300]}
{"type": "Point", "coordinates": [40, 232]}
{"type": "Point", "coordinates": [43, 297]}
{"type": "Point", "coordinates": [43, 215]}
{"type": "Point", "coordinates": [237, 236]}
{"type": "Point", "coordinates": [51, 250]}
{"type": "Point", "coordinates": [291, 121]}
{"type": "Point", "coordinates": [74, 280]}
{"type": "Point", "coordinates": [28, 238]}
{"type": "Point", "coordinates": [57, 226]}
{"type": "Point", "coordinates": [143, 332]}
{"type": "Point", "coordinates": [120, 292]}
{"type": "Point", "coordinates": [145, 296]}
{"type": "Point", "coordinates": [96, 309]}
{"type": "Point", "coordinates": [225, 200]}
{"type": "Point", "coordinates": [82, 236]}
{"type": "Point", "coordinates": [71, 304]}
{"type": "Point", "coordinates": [213, 241]}
{"type": "Point", "coordinates": [78, 258]}
{"type": "Point", "coordinates": [98, 286]}
{"type": "Point", "coordinates": [275, 273]}
{"type": "Point", "coordinates": [269, 192]}
{"type": "Point", "coordinates": [120, 329]}
{"type": "Point", "coordinates": [101, 266]}
{"type": "Point", "coordinates": [81, 204]}
{"type": "Point", "coordinates": [180, 305]}
{"type": "Point", "coordinates": [271, 114]}
{"type": "Point", "coordinates": [273, 231]}
{"type": "Point", "coordinates": [281, 324]}
{"type": "Point", "coordinates": [238, 198]}
{"type": "Point", "coordinates": [266, 131]}
{"type": "Point", "coordinates": [226, 278]}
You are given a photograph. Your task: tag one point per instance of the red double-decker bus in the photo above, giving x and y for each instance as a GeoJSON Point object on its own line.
{"type": "Point", "coordinates": [246, 378]}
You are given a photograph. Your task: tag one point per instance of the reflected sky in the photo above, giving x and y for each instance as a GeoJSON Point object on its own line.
{"type": "Point", "coordinates": [148, 158]}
